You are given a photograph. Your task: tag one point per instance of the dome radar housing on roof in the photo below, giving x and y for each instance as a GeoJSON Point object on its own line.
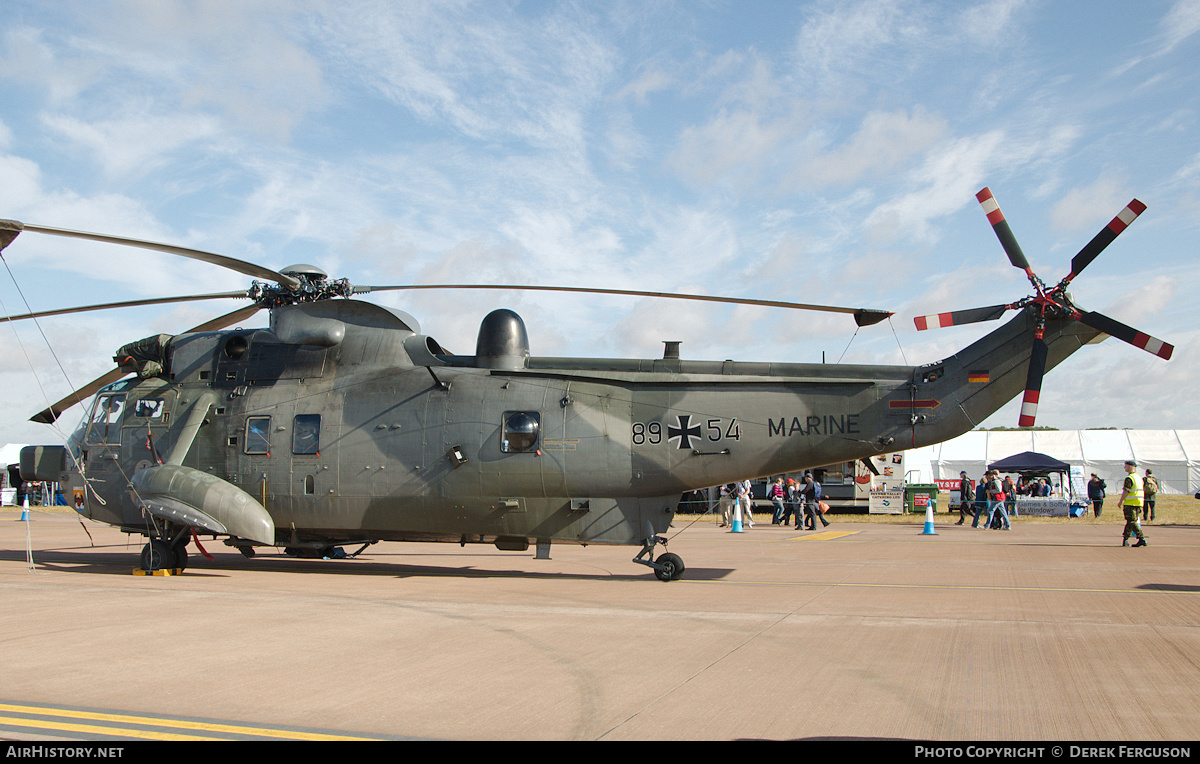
{"type": "Point", "coordinates": [503, 342]}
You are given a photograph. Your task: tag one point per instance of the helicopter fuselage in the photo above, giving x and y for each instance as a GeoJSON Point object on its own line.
{"type": "Point", "coordinates": [346, 424]}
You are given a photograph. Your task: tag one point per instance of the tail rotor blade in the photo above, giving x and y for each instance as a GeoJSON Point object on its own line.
{"type": "Point", "coordinates": [996, 217]}
{"type": "Point", "coordinates": [1105, 237]}
{"type": "Point", "coordinates": [1128, 334]}
{"type": "Point", "coordinates": [959, 317]}
{"type": "Point", "coordinates": [1033, 383]}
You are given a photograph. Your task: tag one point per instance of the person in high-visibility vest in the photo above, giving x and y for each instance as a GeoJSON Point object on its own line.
{"type": "Point", "coordinates": [1131, 504]}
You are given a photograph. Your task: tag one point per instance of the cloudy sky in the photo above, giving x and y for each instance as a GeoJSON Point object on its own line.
{"type": "Point", "coordinates": [819, 152]}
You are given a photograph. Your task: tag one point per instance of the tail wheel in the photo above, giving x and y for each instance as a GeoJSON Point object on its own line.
{"type": "Point", "coordinates": [671, 567]}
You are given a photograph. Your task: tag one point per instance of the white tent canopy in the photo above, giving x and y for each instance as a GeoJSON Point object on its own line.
{"type": "Point", "coordinates": [10, 454]}
{"type": "Point", "coordinates": [1173, 455]}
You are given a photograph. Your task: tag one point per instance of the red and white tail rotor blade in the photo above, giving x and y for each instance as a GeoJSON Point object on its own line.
{"type": "Point", "coordinates": [1128, 334]}
{"type": "Point", "coordinates": [1003, 232]}
{"type": "Point", "coordinates": [959, 317]}
{"type": "Point", "coordinates": [1106, 236]}
{"type": "Point", "coordinates": [1033, 383]}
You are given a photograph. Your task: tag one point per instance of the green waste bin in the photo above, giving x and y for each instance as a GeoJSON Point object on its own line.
{"type": "Point", "coordinates": [920, 496]}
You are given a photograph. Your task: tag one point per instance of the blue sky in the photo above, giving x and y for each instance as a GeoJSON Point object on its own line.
{"type": "Point", "coordinates": [821, 152]}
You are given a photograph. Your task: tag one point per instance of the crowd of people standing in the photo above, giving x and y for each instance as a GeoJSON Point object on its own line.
{"type": "Point", "coordinates": [791, 500]}
{"type": "Point", "coordinates": [993, 500]}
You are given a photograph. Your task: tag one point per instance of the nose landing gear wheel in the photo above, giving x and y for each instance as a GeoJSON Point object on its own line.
{"type": "Point", "coordinates": [672, 567]}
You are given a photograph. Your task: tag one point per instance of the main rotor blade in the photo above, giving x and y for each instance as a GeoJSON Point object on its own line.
{"type": "Point", "coordinates": [1033, 383]}
{"type": "Point", "coordinates": [996, 217]}
{"type": "Point", "coordinates": [229, 319]}
{"type": "Point", "coordinates": [127, 304]}
{"type": "Point", "coordinates": [241, 266]}
{"type": "Point", "coordinates": [51, 414]}
{"type": "Point", "coordinates": [862, 316]}
{"type": "Point", "coordinates": [959, 317]}
{"type": "Point", "coordinates": [1128, 334]}
{"type": "Point", "coordinates": [1104, 238]}
{"type": "Point", "coordinates": [82, 394]}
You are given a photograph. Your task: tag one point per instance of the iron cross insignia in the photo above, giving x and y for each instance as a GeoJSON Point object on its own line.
{"type": "Point", "coordinates": [684, 432]}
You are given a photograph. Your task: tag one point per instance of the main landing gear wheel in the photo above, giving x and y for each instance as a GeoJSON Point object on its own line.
{"type": "Point", "coordinates": [671, 567]}
{"type": "Point", "coordinates": [158, 555]}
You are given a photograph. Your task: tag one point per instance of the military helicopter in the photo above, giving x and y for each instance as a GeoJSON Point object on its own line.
{"type": "Point", "coordinates": [342, 423]}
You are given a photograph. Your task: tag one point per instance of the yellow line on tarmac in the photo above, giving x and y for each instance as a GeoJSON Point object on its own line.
{"type": "Point", "coordinates": [150, 721]}
{"type": "Point", "coordinates": [943, 587]}
{"type": "Point", "coordinates": [825, 536]}
{"type": "Point", "coordinates": [95, 729]}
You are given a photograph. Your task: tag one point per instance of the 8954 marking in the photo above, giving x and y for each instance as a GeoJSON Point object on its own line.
{"type": "Point", "coordinates": [684, 431]}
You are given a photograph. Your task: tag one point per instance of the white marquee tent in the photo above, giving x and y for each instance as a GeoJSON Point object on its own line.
{"type": "Point", "coordinates": [1173, 455]}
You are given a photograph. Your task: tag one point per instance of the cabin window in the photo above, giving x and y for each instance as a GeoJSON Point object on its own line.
{"type": "Point", "coordinates": [520, 432]}
{"type": "Point", "coordinates": [105, 425]}
{"type": "Point", "coordinates": [258, 435]}
{"type": "Point", "coordinates": [306, 434]}
{"type": "Point", "coordinates": [310, 485]}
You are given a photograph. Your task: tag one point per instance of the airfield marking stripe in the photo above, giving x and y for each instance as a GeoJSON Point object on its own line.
{"type": "Point", "coordinates": [951, 587]}
{"type": "Point", "coordinates": [95, 729]}
{"type": "Point", "coordinates": [152, 721]}
{"type": "Point", "coordinates": [825, 536]}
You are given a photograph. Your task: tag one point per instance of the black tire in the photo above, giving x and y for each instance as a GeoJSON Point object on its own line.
{"type": "Point", "coordinates": [157, 555]}
{"type": "Point", "coordinates": [672, 567]}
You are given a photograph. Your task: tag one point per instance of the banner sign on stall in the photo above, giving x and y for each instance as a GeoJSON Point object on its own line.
{"type": "Point", "coordinates": [887, 487]}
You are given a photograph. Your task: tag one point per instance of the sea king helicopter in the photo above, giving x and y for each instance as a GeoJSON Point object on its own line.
{"type": "Point", "coordinates": [342, 423]}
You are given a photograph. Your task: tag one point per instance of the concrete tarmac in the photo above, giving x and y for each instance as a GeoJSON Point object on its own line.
{"type": "Point", "coordinates": [1048, 632]}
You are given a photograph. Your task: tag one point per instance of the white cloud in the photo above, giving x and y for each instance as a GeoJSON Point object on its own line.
{"type": "Point", "coordinates": [650, 81]}
{"type": "Point", "coordinates": [544, 72]}
{"type": "Point", "coordinates": [137, 143]}
{"type": "Point", "coordinates": [883, 142]}
{"type": "Point", "coordinates": [991, 23]}
{"type": "Point", "coordinates": [842, 40]}
{"type": "Point", "coordinates": [1180, 23]}
{"type": "Point", "coordinates": [734, 145]}
{"type": "Point", "coordinates": [1090, 206]}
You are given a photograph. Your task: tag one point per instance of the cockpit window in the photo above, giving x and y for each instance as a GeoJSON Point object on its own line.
{"type": "Point", "coordinates": [104, 428]}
